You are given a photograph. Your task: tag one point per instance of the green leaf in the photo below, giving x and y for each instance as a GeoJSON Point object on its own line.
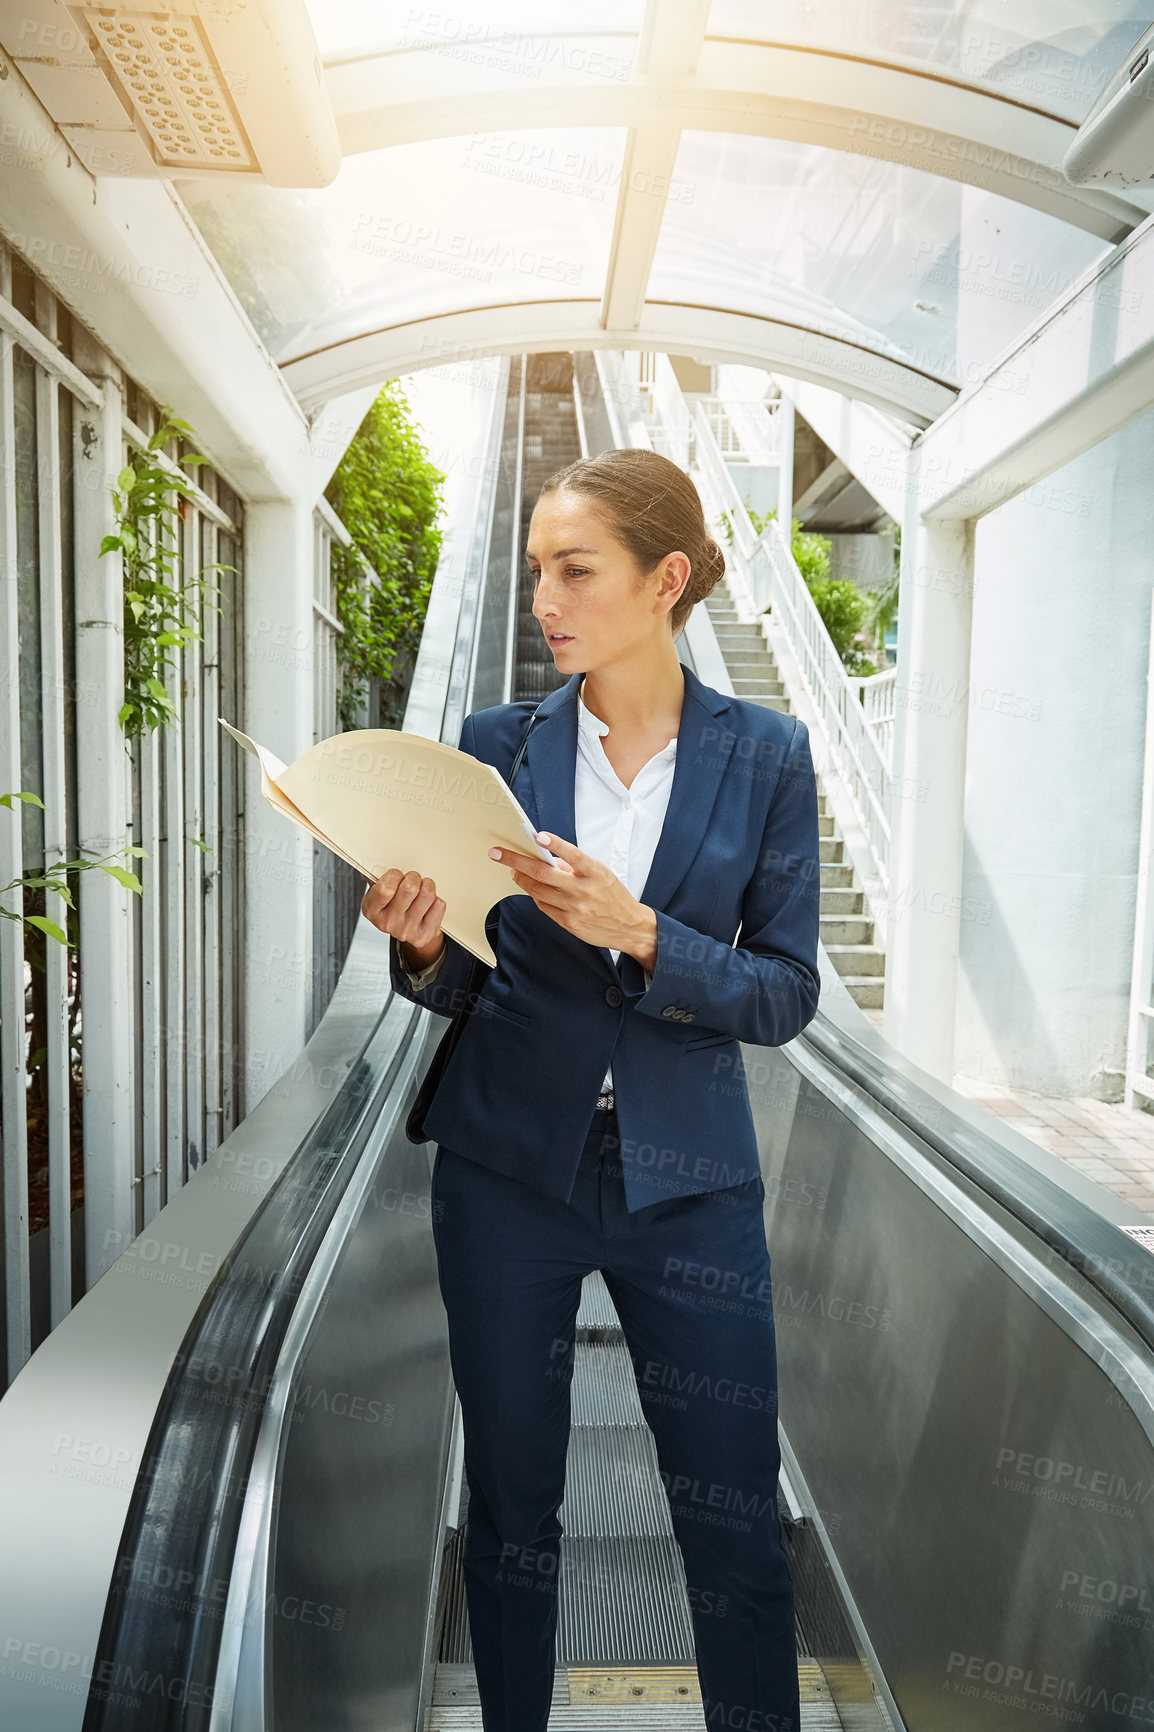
{"type": "Point", "coordinates": [121, 874]}
{"type": "Point", "coordinates": [23, 794]}
{"type": "Point", "coordinates": [126, 480]}
{"type": "Point", "coordinates": [48, 926]}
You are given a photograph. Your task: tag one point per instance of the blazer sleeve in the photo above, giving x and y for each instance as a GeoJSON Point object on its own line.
{"type": "Point", "coordinates": [764, 987]}
{"type": "Point", "coordinates": [447, 981]}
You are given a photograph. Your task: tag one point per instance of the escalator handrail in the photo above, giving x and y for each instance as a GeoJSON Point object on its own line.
{"type": "Point", "coordinates": [186, 1504]}
{"type": "Point", "coordinates": [1121, 1270]}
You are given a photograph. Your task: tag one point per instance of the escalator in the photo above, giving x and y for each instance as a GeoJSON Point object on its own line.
{"type": "Point", "coordinates": [231, 1487]}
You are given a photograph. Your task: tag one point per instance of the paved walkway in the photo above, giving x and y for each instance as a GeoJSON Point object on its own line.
{"type": "Point", "coordinates": [1111, 1144]}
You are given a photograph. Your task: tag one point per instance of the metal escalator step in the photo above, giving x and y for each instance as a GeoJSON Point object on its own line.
{"type": "Point", "coordinates": [618, 1699]}
{"type": "Point", "coordinates": [623, 1598]}
{"type": "Point", "coordinates": [604, 1388]}
{"type": "Point", "coordinates": [596, 1309]}
{"type": "Point", "coordinates": [612, 1484]}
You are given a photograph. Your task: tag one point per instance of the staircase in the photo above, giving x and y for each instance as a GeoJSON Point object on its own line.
{"type": "Point", "coordinates": [847, 928]}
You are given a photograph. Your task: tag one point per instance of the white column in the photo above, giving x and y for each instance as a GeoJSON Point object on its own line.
{"type": "Point", "coordinates": [927, 794]}
{"type": "Point", "coordinates": [279, 682]}
{"type": "Point", "coordinates": [785, 416]}
{"type": "Point", "coordinates": [104, 816]}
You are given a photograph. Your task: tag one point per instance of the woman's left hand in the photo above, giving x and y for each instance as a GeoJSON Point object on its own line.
{"type": "Point", "coordinates": [581, 894]}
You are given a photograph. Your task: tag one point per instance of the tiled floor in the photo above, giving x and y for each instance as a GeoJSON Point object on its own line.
{"type": "Point", "coordinates": [1112, 1144]}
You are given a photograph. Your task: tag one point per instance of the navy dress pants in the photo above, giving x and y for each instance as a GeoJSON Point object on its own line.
{"type": "Point", "coordinates": [690, 1280]}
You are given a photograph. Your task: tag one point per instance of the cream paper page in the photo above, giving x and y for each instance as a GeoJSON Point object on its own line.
{"type": "Point", "coordinates": [379, 797]}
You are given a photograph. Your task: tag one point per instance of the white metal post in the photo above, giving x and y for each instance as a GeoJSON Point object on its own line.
{"type": "Point", "coordinates": [104, 825]}
{"type": "Point", "coordinates": [785, 416]}
{"type": "Point", "coordinates": [927, 793]}
{"type": "Point", "coordinates": [279, 662]}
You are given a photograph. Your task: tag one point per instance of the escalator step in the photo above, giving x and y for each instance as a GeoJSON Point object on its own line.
{"type": "Point", "coordinates": [596, 1310]}
{"type": "Point", "coordinates": [612, 1484]}
{"type": "Point", "coordinates": [604, 1387]}
{"type": "Point", "coordinates": [618, 1699]}
{"type": "Point", "coordinates": [623, 1595]}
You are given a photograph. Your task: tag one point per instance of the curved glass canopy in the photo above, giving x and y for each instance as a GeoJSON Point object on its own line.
{"type": "Point", "coordinates": [559, 175]}
{"type": "Point", "coordinates": [1051, 54]}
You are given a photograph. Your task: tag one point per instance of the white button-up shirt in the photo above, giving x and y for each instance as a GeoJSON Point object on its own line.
{"type": "Point", "coordinates": [618, 825]}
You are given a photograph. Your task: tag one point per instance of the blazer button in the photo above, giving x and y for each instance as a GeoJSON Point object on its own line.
{"type": "Point", "coordinates": [613, 995]}
{"type": "Point", "coordinates": [669, 1010]}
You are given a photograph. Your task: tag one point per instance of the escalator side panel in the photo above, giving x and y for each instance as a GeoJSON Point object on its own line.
{"type": "Point", "coordinates": [972, 1465]}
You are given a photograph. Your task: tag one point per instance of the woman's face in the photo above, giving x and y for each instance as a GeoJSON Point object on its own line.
{"type": "Point", "coordinates": [586, 597]}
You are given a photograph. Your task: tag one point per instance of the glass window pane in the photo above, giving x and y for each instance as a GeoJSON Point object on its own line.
{"type": "Point", "coordinates": [1051, 54]}
{"type": "Point", "coordinates": [503, 30]}
{"type": "Point", "coordinates": [942, 274]}
{"type": "Point", "coordinates": [416, 230]}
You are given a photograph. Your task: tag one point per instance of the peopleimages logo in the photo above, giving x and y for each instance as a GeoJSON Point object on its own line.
{"type": "Point", "coordinates": [1016, 1685]}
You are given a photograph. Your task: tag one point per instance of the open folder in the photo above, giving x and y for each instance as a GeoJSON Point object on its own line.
{"type": "Point", "coordinates": [379, 798]}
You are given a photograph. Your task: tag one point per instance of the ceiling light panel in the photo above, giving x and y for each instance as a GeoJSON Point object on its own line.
{"type": "Point", "coordinates": [165, 67]}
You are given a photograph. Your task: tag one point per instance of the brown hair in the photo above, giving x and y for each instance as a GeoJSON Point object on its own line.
{"type": "Point", "coordinates": [653, 508]}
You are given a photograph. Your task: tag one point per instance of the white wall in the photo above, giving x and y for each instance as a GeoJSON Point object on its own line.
{"type": "Point", "coordinates": [1054, 772]}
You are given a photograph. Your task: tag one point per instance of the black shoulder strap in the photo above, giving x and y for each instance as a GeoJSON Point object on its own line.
{"type": "Point", "coordinates": [521, 748]}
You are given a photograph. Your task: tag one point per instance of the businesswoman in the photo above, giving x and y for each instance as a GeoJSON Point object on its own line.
{"type": "Point", "coordinates": [594, 1113]}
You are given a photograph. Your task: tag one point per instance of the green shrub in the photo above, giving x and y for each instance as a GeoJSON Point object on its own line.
{"type": "Point", "coordinates": [388, 495]}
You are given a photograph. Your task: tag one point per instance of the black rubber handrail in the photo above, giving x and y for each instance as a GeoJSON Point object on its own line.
{"type": "Point", "coordinates": [159, 1643]}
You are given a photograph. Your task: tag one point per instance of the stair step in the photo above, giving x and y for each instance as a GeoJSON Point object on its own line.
{"type": "Point", "coordinates": [867, 991]}
{"type": "Point", "coordinates": [832, 848]}
{"type": "Point", "coordinates": [771, 703]}
{"type": "Point", "coordinates": [856, 959]}
{"type": "Point", "coordinates": [836, 874]}
{"type": "Point", "coordinates": [848, 929]}
{"type": "Point", "coordinates": [841, 899]}
{"type": "Point", "coordinates": [747, 686]}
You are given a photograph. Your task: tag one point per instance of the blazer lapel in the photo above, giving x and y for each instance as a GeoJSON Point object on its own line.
{"type": "Point", "coordinates": [545, 783]}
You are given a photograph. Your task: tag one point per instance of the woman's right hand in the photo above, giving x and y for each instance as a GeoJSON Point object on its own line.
{"type": "Point", "coordinates": [407, 907]}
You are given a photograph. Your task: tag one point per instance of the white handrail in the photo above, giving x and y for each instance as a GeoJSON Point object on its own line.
{"type": "Point", "coordinates": [797, 633]}
{"type": "Point", "coordinates": [878, 694]}
{"type": "Point", "coordinates": [766, 583]}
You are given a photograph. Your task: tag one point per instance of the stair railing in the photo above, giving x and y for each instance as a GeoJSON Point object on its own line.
{"type": "Point", "coordinates": [767, 585]}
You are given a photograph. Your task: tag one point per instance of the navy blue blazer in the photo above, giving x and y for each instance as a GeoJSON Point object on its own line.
{"type": "Point", "coordinates": [738, 849]}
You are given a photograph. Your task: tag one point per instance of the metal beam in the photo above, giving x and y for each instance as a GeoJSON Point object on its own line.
{"type": "Point", "coordinates": [711, 333]}
{"type": "Point", "coordinates": [669, 46]}
{"type": "Point", "coordinates": [912, 117]}
{"type": "Point", "coordinates": [1081, 372]}
{"type": "Point", "coordinates": [869, 444]}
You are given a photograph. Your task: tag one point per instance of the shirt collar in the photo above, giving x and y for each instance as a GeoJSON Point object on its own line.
{"type": "Point", "coordinates": [594, 727]}
{"type": "Point", "coordinates": [591, 723]}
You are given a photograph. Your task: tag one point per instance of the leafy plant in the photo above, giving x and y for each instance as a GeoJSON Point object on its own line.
{"type": "Point", "coordinates": [54, 877]}
{"type": "Point", "coordinates": [842, 607]}
{"type": "Point", "coordinates": [388, 495]}
{"type": "Point", "coordinates": [150, 502]}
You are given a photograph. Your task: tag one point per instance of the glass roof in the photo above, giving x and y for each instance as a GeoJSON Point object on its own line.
{"type": "Point", "coordinates": [416, 230]}
{"type": "Point", "coordinates": [943, 274]}
{"type": "Point", "coordinates": [1051, 54]}
{"type": "Point", "coordinates": [343, 26]}
{"type": "Point", "coordinates": [930, 270]}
